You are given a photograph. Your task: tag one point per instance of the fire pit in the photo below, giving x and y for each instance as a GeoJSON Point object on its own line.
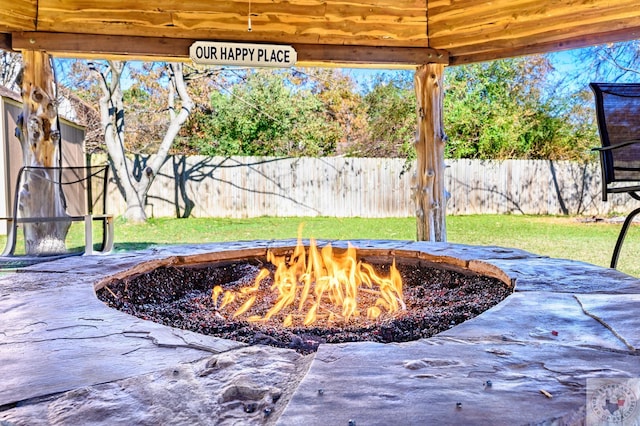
{"type": "Point", "coordinates": [69, 358]}
{"type": "Point", "coordinates": [300, 297]}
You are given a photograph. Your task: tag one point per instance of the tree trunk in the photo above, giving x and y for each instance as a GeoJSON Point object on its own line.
{"type": "Point", "coordinates": [40, 192]}
{"type": "Point", "coordinates": [428, 182]}
{"type": "Point", "coordinates": [134, 187]}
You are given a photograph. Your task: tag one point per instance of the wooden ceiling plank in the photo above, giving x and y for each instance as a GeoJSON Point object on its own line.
{"type": "Point", "coordinates": [275, 35]}
{"type": "Point", "coordinates": [344, 22]}
{"type": "Point", "coordinates": [562, 30]}
{"type": "Point", "coordinates": [622, 29]}
{"type": "Point", "coordinates": [17, 15]}
{"type": "Point", "coordinates": [343, 28]}
{"type": "Point", "coordinates": [372, 11]}
{"type": "Point", "coordinates": [167, 49]}
{"type": "Point", "coordinates": [544, 47]}
{"type": "Point", "coordinates": [470, 10]}
{"type": "Point", "coordinates": [470, 30]}
{"type": "Point", "coordinates": [513, 22]}
{"type": "Point", "coordinates": [473, 12]}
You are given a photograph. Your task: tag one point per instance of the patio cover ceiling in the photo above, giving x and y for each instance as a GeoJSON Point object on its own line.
{"type": "Point", "coordinates": [383, 33]}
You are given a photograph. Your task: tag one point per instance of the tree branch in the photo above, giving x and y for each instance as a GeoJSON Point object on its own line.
{"type": "Point", "coordinates": [177, 77]}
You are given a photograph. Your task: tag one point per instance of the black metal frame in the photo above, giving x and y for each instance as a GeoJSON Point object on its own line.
{"type": "Point", "coordinates": [608, 166]}
{"type": "Point", "coordinates": [106, 219]}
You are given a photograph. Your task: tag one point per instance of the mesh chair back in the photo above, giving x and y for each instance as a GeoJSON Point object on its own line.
{"type": "Point", "coordinates": [618, 115]}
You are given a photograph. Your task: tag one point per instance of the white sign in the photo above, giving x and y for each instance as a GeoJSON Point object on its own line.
{"type": "Point", "coordinates": [243, 54]}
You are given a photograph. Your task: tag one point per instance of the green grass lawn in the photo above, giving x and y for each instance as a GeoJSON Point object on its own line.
{"type": "Point", "coordinates": [563, 237]}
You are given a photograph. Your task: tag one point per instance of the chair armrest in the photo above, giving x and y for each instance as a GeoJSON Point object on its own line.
{"type": "Point", "coordinates": [616, 146]}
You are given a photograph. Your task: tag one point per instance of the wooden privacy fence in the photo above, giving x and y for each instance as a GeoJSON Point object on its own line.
{"type": "Point", "coordinates": [243, 187]}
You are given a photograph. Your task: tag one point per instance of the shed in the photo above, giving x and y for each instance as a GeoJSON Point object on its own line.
{"type": "Point", "coordinates": [72, 149]}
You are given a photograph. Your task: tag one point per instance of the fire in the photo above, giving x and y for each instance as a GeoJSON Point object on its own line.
{"type": "Point", "coordinates": [318, 285]}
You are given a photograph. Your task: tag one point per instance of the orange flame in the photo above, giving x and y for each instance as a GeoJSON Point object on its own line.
{"type": "Point", "coordinates": [319, 285]}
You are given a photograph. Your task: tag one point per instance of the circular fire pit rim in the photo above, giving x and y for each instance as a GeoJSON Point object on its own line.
{"type": "Point", "coordinates": [149, 290]}
{"type": "Point", "coordinates": [455, 263]}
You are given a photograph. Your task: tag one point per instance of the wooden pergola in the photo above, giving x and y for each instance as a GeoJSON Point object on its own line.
{"type": "Point", "coordinates": [426, 35]}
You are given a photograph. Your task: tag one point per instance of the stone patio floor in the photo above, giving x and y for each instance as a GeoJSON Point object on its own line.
{"type": "Point", "coordinates": [66, 358]}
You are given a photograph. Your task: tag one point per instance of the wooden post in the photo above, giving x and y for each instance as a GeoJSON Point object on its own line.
{"type": "Point", "coordinates": [40, 192]}
{"type": "Point", "coordinates": [428, 182]}
{"type": "Point", "coordinates": [39, 138]}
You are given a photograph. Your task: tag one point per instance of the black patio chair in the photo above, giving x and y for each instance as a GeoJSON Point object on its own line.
{"type": "Point", "coordinates": [618, 115]}
{"type": "Point", "coordinates": [84, 190]}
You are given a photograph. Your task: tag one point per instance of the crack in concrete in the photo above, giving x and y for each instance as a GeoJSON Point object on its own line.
{"type": "Point", "coordinates": [141, 335]}
{"type": "Point", "coordinates": [131, 351]}
{"type": "Point", "coordinates": [19, 342]}
{"type": "Point", "coordinates": [72, 326]}
{"type": "Point", "coordinates": [604, 324]}
{"type": "Point", "coordinates": [29, 401]}
{"type": "Point", "coordinates": [13, 307]}
{"type": "Point", "coordinates": [148, 336]}
{"type": "Point", "coordinates": [22, 330]}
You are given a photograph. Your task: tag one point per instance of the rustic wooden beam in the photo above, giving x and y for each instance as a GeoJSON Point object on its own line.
{"type": "Point", "coordinates": [386, 33]}
{"type": "Point", "coordinates": [103, 46]}
{"type": "Point", "coordinates": [375, 55]}
{"type": "Point", "coordinates": [428, 182]}
{"type": "Point", "coordinates": [169, 49]}
{"type": "Point", "coordinates": [5, 41]}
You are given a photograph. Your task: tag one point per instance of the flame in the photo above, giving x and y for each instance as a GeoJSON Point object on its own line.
{"type": "Point", "coordinates": [318, 285]}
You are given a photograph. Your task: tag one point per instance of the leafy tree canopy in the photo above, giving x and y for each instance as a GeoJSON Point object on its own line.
{"type": "Point", "coordinates": [262, 113]}
{"type": "Point", "coordinates": [514, 108]}
{"type": "Point", "coordinates": [391, 116]}
{"type": "Point", "coordinates": [505, 109]}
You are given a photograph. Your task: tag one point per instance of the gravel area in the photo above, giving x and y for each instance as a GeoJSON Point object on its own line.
{"type": "Point", "coordinates": [436, 299]}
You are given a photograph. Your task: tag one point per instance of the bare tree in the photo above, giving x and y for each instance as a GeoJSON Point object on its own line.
{"type": "Point", "coordinates": [10, 66]}
{"type": "Point", "coordinates": [134, 176]}
{"type": "Point", "coordinates": [611, 61]}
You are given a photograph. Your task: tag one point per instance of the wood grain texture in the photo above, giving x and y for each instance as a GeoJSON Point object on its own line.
{"type": "Point", "coordinates": [17, 15]}
{"type": "Point", "coordinates": [5, 41]}
{"type": "Point", "coordinates": [543, 47]}
{"type": "Point", "coordinates": [242, 187]}
{"type": "Point", "coordinates": [428, 181]}
{"type": "Point", "coordinates": [480, 30]}
{"type": "Point", "coordinates": [466, 30]}
{"type": "Point", "coordinates": [40, 194]}
{"type": "Point", "coordinates": [400, 23]}
{"type": "Point", "coordinates": [168, 49]}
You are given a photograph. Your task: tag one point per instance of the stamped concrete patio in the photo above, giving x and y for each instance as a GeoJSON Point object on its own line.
{"type": "Point", "coordinates": [66, 358]}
